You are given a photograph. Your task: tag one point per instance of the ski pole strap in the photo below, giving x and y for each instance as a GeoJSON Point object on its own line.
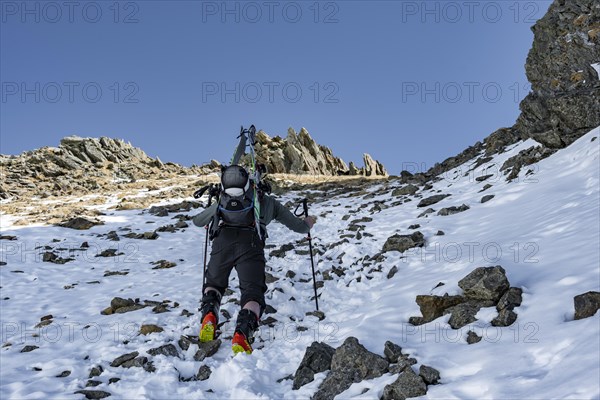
{"type": "Point", "coordinates": [304, 212]}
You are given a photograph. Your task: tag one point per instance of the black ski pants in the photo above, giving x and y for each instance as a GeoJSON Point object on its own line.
{"type": "Point", "coordinates": [244, 250]}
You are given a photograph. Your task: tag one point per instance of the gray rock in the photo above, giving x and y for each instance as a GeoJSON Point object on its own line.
{"type": "Point", "coordinates": [433, 306]}
{"type": "Point", "coordinates": [96, 371]}
{"type": "Point", "coordinates": [138, 362]}
{"type": "Point", "coordinates": [207, 349]}
{"type": "Point", "coordinates": [317, 358]}
{"type": "Point", "coordinates": [402, 243]}
{"type": "Point", "coordinates": [430, 375]}
{"type": "Point", "coordinates": [163, 264]}
{"type": "Point", "coordinates": [392, 272]}
{"type": "Point", "coordinates": [483, 178]}
{"type": "Point", "coordinates": [63, 374]}
{"type": "Point", "coordinates": [392, 351]}
{"type": "Point", "coordinates": [109, 253]}
{"type": "Point", "coordinates": [407, 385]}
{"type": "Point", "coordinates": [350, 363]}
{"type": "Point", "coordinates": [93, 394]}
{"type": "Point", "coordinates": [432, 200]}
{"type": "Point", "coordinates": [487, 198]}
{"type": "Point", "coordinates": [564, 86]}
{"type": "Point", "coordinates": [462, 314]}
{"type": "Point", "coordinates": [203, 373]}
{"type": "Point", "coordinates": [485, 283]}
{"type": "Point", "coordinates": [405, 190]}
{"type": "Point", "coordinates": [186, 341]}
{"type": "Point", "coordinates": [93, 383]}
{"type": "Point", "coordinates": [80, 223]}
{"type": "Point", "coordinates": [150, 328]}
{"type": "Point", "coordinates": [473, 338]}
{"type": "Point", "coordinates": [586, 304]}
{"type": "Point", "coordinates": [49, 256]}
{"type": "Point", "coordinates": [453, 210]}
{"type": "Point", "coordinates": [506, 317]}
{"type": "Point", "coordinates": [511, 299]}
{"type": "Point", "coordinates": [134, 307]}
{"type": "Point", "coordinates": [117, 362]}
{"type": "Point", "coordinates": [119, 302]}
{"type": "Point", "coordinates": [282, 250]}
{"type": "Point", "coordinates": [168, 350]}
{"type": "Point", "coordinates": [403, 363]}
{"type": "Point", "coordinates": [29, 348]}
{"type": "Point", "coordinates": [426, 212]}
{"type": "Point", "coordinates": [335, 383]}
{"type": "Point", "coordinates": [319, 314]}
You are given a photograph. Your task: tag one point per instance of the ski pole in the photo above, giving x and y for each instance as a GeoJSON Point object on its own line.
{"type": "Point", "coordinates": [197, 195]}
{"type": "Point", "coordinates": [310, 247]}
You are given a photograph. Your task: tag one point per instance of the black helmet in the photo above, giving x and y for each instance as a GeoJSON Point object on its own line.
{"type": "Point", "coordinates": [235, 180]}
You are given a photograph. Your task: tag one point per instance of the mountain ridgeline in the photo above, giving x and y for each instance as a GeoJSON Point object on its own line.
{"type": "Point", "coordinates": [88, 165]}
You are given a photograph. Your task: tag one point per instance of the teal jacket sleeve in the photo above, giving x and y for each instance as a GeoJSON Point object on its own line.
{"type": "Point", "coordinates": [205, 216]}
{"type": "Point", "coordinates": [287, 218]}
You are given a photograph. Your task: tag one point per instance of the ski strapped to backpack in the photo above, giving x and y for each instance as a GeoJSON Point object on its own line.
{"type": "Point", "coordinates": [239, 198]}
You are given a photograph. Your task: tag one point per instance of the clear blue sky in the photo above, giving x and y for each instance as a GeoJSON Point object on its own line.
{"type": "Point", "coordinates": [406, 81]}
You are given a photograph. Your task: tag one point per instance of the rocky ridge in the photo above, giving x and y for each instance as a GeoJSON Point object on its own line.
{"type": "Point", "coordinates": [564, 102]}
{"type": "Point", "coordinates": [298, 153]}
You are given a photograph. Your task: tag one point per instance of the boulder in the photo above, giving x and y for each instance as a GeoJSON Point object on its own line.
{"type": "Point", "coordinates": [80, 223]}
{"type": "Point", "coordinates": [350, 363]}
{"type": "Point", "coordinates": [430, 375]}
{"type": "Point", "coordinates": [485, 283]}
{"type": "Point", "coordinates": [409, 189]}
{"type": "Point", "coordinates": [436, 198]}
{"type": "Point", "coordinates": [586, 304]}
{"type": "Point", "coordinates": [462, 314]}
{"type": "Point", "coordinates": [433, 306]}
{"type": "Point", "coordinates": [506, 317]}
{"type": "Point", "coordinates": [473, 338]}
{"type": "Point", "coordinates": [392, 351]}
{"type": "Point", "coordinates": [402, 243]}
{"type": "Point", "coordinates": [408, 385]}
{"type": "Point", "coordinates": [317, 358]}
{"type": "Point", "coordinates": [453, 210]}
{"type": "Point", "coordinates": [207, 349]}
{"type": "Point", "coordinates": [168, 350]}
{"type": "Point", "coordinates": [511, 299]}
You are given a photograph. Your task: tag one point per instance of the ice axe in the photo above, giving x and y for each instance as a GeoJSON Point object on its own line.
{"type": "Point", "coordinates": [304, 203]}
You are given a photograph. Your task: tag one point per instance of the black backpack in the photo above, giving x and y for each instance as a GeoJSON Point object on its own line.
{"type": "Point", "coordinates": [237, 211]}
{"type": "Point", "coordinates": [235, 206]}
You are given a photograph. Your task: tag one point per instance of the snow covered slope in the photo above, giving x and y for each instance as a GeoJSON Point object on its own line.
{"type": "Point", "coordinates": [543, 229]}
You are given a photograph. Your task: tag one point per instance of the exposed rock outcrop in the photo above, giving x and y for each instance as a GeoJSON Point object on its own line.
{"type": "Point", "coordinates": [483, 287]}
{"type": "Point", "coordinates": [564, 102]}
{"type": "Point", "coordinates": [298, 153]}
{"type": "Point", "coordinates": [81, 166]}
